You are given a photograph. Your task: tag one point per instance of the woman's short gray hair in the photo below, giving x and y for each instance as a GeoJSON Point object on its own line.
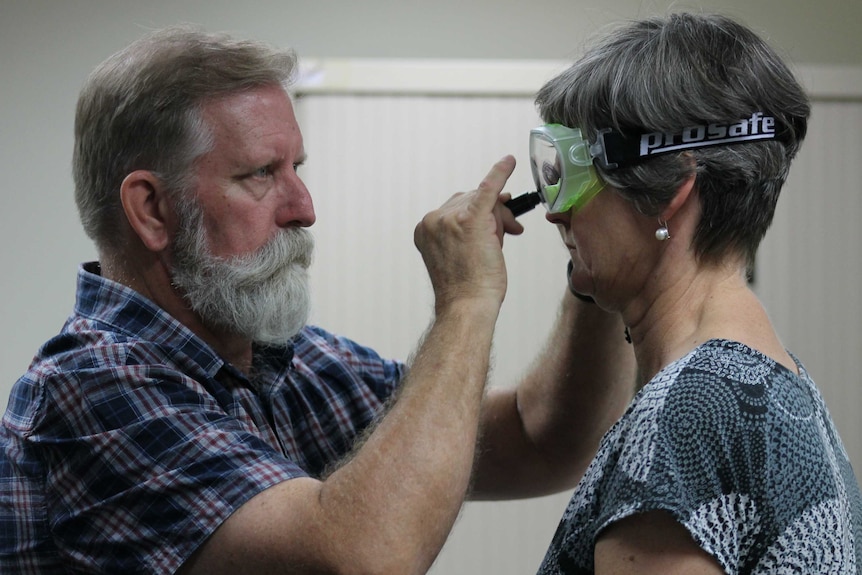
{"type": "Point", "coordinates": [668, 74]}
{"type": "Point", "coordinates": [140, 109]}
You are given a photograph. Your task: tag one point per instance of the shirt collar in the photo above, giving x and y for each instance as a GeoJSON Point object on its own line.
{"type": "Point", "coordinates": [127, 312]}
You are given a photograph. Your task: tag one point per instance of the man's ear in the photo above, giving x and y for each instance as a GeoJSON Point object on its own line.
{"type": "Point", "coordinates": [682, 194]}
{"type": "Point", "coordinates": [145, 202]}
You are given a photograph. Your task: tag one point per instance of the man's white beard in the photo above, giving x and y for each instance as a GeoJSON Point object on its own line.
{"type": "Point", "coordinates": [263, 296]}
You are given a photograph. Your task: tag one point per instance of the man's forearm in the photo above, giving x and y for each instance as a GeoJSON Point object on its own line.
{"type": "Point", "coordinates": [410, 477]}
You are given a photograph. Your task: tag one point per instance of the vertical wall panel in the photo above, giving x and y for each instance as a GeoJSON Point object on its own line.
{"type": "Point", "coordinates": [810, 264]}
{"type": "Point", "coordinates": [378, 163]}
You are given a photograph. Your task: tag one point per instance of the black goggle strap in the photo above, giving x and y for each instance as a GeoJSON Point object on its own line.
{"type": "Point", "coordinates": [617, 150]}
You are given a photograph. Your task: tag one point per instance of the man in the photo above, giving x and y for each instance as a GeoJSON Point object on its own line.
{"type": "Point", "coordinates": [187, 420]}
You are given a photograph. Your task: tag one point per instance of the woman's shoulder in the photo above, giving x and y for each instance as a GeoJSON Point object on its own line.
{"type": "Point", "coordinates": [720, 366]}
{"type": "Point", "coordinates": [728, 360]}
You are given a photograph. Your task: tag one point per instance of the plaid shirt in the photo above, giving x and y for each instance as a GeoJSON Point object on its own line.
{"type": "Point", "coordinates": [129, 440]}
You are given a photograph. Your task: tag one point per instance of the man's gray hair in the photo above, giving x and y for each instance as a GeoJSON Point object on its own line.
{"type": "Point", "coordinates": [668, 74]}
{"type": "Point", "coordinates": [141, 109]}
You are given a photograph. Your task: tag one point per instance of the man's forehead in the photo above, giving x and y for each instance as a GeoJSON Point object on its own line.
{"type": "Point", "coordinates": [262, 117]}
{"type": "Point", "coordinates": [229, 109]}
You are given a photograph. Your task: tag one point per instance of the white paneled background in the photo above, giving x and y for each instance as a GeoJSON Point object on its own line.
{"type": "Point", "coordinates": [389, 142]}
{"type": "Point", "coordinates": [810, 264]}
{"type": "Point", "coordinates": [377, 164]}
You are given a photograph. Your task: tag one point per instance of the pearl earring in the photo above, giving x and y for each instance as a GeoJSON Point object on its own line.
{"type": "Point", "coordinates": [662, 233]}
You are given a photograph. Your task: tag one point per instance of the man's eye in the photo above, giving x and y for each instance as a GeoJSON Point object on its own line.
{"type": "Point", "coordinates": [263, 172]}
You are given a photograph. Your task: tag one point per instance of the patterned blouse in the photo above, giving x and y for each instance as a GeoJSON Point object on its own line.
{"type": "Point", "coordinates": [739, 450]}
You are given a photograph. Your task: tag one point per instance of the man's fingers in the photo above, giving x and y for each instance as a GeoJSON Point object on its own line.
{"type": "Point", "coordinates": [491, 186]}
{"type": "Point", "coordinates": [506, 221]}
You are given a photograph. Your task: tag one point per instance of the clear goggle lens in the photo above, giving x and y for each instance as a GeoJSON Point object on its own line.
{"type": "Point", "coordinates": [562, 167]}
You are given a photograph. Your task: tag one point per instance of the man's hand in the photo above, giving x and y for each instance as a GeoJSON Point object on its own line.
{"type": "Point", "coordinates": [461, 242]}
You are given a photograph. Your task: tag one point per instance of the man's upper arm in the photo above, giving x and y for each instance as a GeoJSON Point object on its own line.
{"type": "Point", "coordinates": [273, 532]}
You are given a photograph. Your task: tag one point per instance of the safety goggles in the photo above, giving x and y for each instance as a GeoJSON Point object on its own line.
{"type": "Point", "coordinates": [563, 161]}
{"type": "Point", "coordinates": [562, 165]}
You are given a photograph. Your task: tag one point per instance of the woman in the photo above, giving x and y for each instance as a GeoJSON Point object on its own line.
{"type": "Point", "coordinates": [663, 157]}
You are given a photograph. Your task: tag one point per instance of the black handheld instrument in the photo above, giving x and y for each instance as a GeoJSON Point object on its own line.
{"type": "Point", "coordinates": [523, 203]}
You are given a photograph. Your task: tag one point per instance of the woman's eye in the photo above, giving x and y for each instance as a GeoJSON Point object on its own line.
{"type": "Point", "coordinates": [550, 173]}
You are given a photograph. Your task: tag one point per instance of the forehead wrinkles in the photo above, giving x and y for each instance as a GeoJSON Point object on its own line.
{"type": "Point", "coordinates": [259, 121]}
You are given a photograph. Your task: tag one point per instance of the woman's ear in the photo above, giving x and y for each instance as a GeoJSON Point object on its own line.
{"type": "Point", "coordinates": [682, 195]}
{"type": "Point", "coordinates": [146, 205]}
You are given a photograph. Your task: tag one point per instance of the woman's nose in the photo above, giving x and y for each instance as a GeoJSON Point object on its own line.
{"type": "Point", "coordinates": [559, 218]}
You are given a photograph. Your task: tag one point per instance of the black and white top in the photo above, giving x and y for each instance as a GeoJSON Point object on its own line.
{"type": "Point", "coordinates": [742, 452]}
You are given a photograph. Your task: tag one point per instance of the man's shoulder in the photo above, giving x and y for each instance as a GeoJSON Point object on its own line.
{"type": "Point", "coordinates": [87, 344]}
{"type": "Point", "coordinates": [315, 339]}
{"type": "Point", "coordinates": [87, 357]}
